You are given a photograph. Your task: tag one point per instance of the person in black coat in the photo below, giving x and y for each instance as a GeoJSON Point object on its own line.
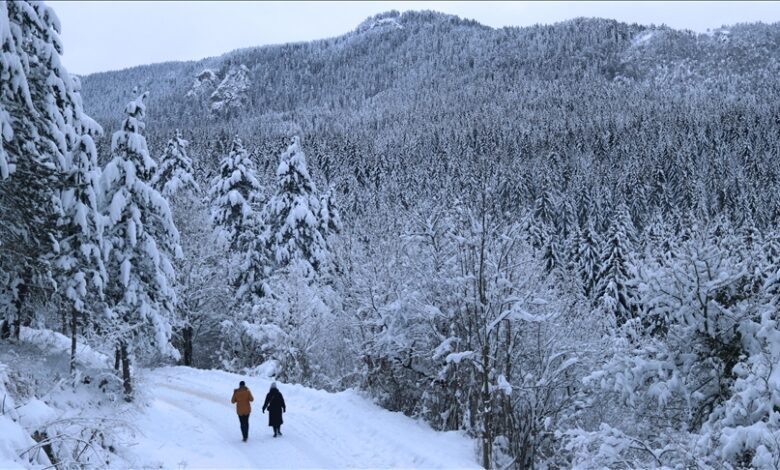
{"type": "Point", "coordinates": [274, 403]}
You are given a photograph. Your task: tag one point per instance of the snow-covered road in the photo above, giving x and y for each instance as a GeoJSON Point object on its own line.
{"type": "Point", "coordinates": [190, 423]}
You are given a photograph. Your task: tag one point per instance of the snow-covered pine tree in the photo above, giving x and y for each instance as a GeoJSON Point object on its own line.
{"type": "Point", "coordinates": [174, 172]}
{"type": "Point", "coordinates": [15, 101]}
{"type": "Point", "coordinates": [330, 217]}
{"type": "Point", "coordinates": [551, 251]}
{"type": "Point", "coordinates": [253, 271]}
{"type": "Point", "coordinates": [744, 430]}
{"type": "Point", "coordinates": [140, 239]}
{"type": "Point", "coordinates": [588, 257]}
{"type": "Point", "coordinates": [233, 193]}
{"type": "Point", "coordinates": [330, 227]}
{"type": "Point", "coordinates": [613, 289]}
{"type": "Point", "coordinates": [292, 229]}
{"type": "Point", "coordinates": [542, 223]}
{"type": "Point", "coordinates": [279, 287]}
{"type": "Point", "coordinates": [41, 122]}
{"type": "Point", "coordinates": [175, 181]}
{"type": "Point", "coordinates": [79, 263]}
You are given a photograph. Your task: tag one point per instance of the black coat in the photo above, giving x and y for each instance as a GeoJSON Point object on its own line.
{"type": "Point", "coordinates": [274, 402]}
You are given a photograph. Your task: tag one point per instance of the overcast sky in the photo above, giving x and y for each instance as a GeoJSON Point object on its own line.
{"type": "Point", "coordinates": [101, 36]}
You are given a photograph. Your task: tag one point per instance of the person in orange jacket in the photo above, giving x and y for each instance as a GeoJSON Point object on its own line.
{"type": "Point", "coordinates": [241, 397]}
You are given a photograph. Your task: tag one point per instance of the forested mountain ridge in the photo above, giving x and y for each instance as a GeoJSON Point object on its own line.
{"type": "Point", "coordinates": [428, 83]}
{"type": "Point", "coordinates": [449, 51]}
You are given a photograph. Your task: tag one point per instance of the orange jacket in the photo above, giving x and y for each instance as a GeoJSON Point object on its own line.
{"type": "Point", "coordinates": [242, 397]}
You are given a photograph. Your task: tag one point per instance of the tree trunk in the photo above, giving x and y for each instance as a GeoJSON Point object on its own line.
{"type": "Point", "coordinates": [487, 431]}
{"type": "Point", "coordinates": [65, 323]}
{"type": "Point", "coordinates": [74, 321]}
{"type": "Point", "coordinates": [126, 379]}
{"type": "Point", "coordinates": [187, 337]}
{"type": "Point", "coordinates": [21, 298]}
{"type": "Point", "coordinates": [487, 438]}
{"type": "Point", "coordinates": [117, 359]}
{"type": "Point", "coordinates": [17, 328]}
{"type": "Point", "coordinates": [16, 322]}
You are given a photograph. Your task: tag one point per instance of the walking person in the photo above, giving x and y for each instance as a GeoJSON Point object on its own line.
{"type": "Point", "coordinates": [274, 402]}
{"type": "Point", "coordinates": [242, 397]}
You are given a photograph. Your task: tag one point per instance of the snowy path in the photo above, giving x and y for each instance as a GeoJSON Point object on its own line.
{"type": "Point", "coordinates": [190, 423]}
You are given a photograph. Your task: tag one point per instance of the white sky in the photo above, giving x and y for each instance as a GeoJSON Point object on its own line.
{"type": "Point", "coordinates": [101, 36]}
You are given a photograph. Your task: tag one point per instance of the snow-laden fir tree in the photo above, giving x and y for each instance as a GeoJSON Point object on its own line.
{"type": "Point", "coordinates": [252, 271]}
{"type": "Point", "coordinates": [233, 193]}
{"type": "Point", "coordinates": [174, 172]}
{"type": "Point", "coordinates": [279, 289]}
{"type": "Point", "coordinates": [199, 278]}
{"type": "Point", "coordinates": [248, 337]}
{"type": "Point", "coordinates": [79, 263]}
{"type": "Point", "coordinates": [15, 100]}
{"type": "Point", "coordinates": [41, 123]}
{"type": "Point", "coordinates": [140, 240]}
{"type": "Point", "coordinates": [542, 222]}
{"type": "Point", "coordinates": [292, 228]}
{"type": "Point", "coordinates": [588, 258]}
{"type": "Point", "coordinates": [613, 290]}
{"type": "Point", "coordinates": [330, 217]}
{"type": "Point", "coordinates": [551, 251]}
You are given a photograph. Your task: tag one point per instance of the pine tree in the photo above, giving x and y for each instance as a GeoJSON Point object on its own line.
{"type": "Point", "coordinates": [292, 229]}
{"type": "Point", "coordinates": [542, 224]}
{"type": "Point", "coordinates": [552, 258]}
{"type": "Point", "coordinates": [253, 270]}
{"type": "Point", "coordinates": [330, 218]}
{"type": "Point", "coordinates": [140, 239]}
{"type": "Point", "coordinates": [79, 262]}
{"type": "Point", "coordinates": [233, 194]}
{"type": "Point", "coordinates": [174, 173]}
{"type": "Point", "coordinates": [41, 124]}
{"type": "Point", "coordinates": [175, 181]}
{"type": "Point", "coordinates": [278, 287]}
{"type": "Point", "coordinates": [613, 290]}
{"type": "Point", "coordinates": [589, 256]}
{"type": "Point", "coordinates": [544, 208]}
{"type": "Point", "coordinates": [15, 101]}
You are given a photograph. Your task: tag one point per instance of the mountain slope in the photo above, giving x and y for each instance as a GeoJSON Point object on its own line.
{"type": "Point", "coordinates": [419, 94]}
{"type": "Point", "coordinates": [391, 53]}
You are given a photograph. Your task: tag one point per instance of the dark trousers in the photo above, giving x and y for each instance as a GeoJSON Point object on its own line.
{"type": "Point", "coordinates": [244, 420]}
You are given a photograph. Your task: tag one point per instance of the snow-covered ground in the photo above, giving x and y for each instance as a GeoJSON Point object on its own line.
{"type": "Point", "coordinates": [183, 418]}
{"type": "Point", "coordinates": [190, 423]}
